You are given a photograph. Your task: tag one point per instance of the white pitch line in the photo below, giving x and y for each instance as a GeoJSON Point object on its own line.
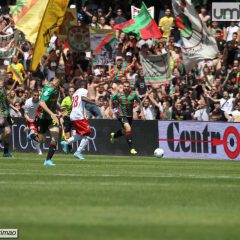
{"type": "Point", "coordinates": [126, 176]}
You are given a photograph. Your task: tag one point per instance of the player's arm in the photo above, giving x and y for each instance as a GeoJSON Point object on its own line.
{"type": "Point", "coordinates": [26, 114]}
{"type": "Point", "coordinates": [115, 97]}
{"type": "Point", "coordinates": [136, 97]}
{"type": "Point", "coordinates": [45, 97]}
{"type": "Point", "coordinates": [44, 106]}
{"type": "Point", "coordinates": [27, 117]}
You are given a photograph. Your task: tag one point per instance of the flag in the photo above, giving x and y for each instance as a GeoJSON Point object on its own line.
{"type": "Point", "coordinates": [135, 11]}
{"type": "Point", "coordinates": [143, 25]}
{"type": "Point", "coordinates": [100, 38]}
{"type": "Point", "coordinates": [197, 42]}
{"type": "Point", "coordinates": [156, 69]}
{"type": "Point", "coordinates": [103, 43]}
{"type": "Point", "coordinates": [52, 19]}
{"type": "Point", "coordinates": [27, 15]}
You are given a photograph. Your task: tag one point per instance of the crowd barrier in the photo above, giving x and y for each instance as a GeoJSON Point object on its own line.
{"type": "Point", "coordinates": [178, 139]}
{"type": "Point", "coordinates": [145, 137]}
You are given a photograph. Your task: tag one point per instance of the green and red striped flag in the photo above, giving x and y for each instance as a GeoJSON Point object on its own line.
{"type": "Point", "coordinates": [100, 38]}
{"type": "Point", "coordinates": [142, 25]}
{"type": "Point", "coordinates": [109, 39]}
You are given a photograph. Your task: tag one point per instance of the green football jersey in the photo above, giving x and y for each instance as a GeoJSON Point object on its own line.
{"type": "Point", "coordinates": [125, 103]}
{"type": "Point", "coordinates": [4, 104]}
{"type": "Point", "coordinates": [50, 96]}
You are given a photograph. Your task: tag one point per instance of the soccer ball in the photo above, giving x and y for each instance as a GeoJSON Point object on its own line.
{"type": "Point", "coordinates": [159, 152]}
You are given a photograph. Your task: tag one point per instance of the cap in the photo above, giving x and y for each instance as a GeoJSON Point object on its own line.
{"type": "Point", "coordinates": [129, 54]}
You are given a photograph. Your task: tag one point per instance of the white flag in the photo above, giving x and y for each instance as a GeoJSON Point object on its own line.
{"type": "Point", "coordinates": [135, 11]}
{"type": "Point", "coordinates": [198, 44]}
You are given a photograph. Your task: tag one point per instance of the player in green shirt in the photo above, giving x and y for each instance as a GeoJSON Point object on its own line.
{"type": "Point", "coordinates": [47, 117]}
{"type": "Point", "coordinates": [5, 119]}
{"type": "Point", "coordinates": [125, 100]}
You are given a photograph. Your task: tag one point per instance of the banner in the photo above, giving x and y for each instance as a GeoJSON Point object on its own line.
{"type": "Point", "coordinates": [52, 19]}
{"type": "Point", "coordinates": [198, 43]}
{"type": "Point", "coordinates": [70, 20]}
{"type": "Point", "coordinates": [103, 43]}
{"type": "Point", "coordinates": [156, 69]}
{"type": "Point", "coordinates": [7, 52]}
{"type": "Point", "coordinates": [27, 16]}
{"type": "Point", "coordinates": [6, 39]}
{"type": "Point", "coordinates": [8, 45]}
{"type": "Point", "coordinates": [199, 140]}
{"type": "Point", "coordinates": [79, 38]}
{"type": "Point", "coordinates": [135, 11]}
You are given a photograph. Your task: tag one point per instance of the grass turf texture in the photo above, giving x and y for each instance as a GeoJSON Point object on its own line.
{"type": "Point", "coordinates": [110, 197]}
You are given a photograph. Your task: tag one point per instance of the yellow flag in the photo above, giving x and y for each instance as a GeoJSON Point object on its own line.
{"type": "Point", "coordinates": [27, 15]}
{"type": "Point", "coordinates": [52, 19]}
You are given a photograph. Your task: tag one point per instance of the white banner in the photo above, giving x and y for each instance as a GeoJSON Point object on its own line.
{"type": "Point", "coordinates": [156, 69]}
{"type": "Point", "coordinates": [198, 44]}
{"type": "Point", "coordinates": [135, 11]}
{"type": "Point", "coordinates": [199, 140]}
{"type": "Point", "coordinates": [6, 39]}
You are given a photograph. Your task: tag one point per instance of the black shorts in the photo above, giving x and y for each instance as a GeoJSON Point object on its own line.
{"type": "Point", "coordinates": [124, 120]}
{"type": "Point", "coordinates": [6, 122]}
{"type": "Point", "coordinates": [43, 125]}
{"type": "Point", "coordinates": [67, 124]}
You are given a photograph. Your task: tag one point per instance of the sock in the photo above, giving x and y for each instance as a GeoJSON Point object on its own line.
{"type": "Point", "coordinates": [118, 134]}
{"type": "Point", "coordinates": [128, 136]}
{"type": "Point", "coordinates": [51, 150]}
{"type": "Point", "coordinates": [32, 132]}
{"type": "Point", "coordinates": [35, 137]}
{"type": "Point", "coordinates": [73, 139]}
{"type": "Point", "coordinates": [70, 148]}
{"type": "Point", "coordinates": [5, 147]}
{"type": "Point", "coordinates": [83, 144]}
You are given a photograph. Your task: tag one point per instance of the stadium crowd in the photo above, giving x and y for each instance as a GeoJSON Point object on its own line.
{"type": "Point", "coordinates": [209, 92]}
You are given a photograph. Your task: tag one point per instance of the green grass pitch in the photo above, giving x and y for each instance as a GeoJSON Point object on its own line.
{"type": "Point", "coordinates": [110, 197]}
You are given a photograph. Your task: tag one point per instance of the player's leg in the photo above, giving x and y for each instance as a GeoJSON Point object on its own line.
{"type": "Point", "coordinates": [65, 144]}
{"type": "Point", "coordinates": [33, 136]}
{"type": "Point", "coordinates": [67, 125]}
{"type": "Point", "coordinates": [120, 132]}
{"type": "Point", "coordinates": [83, 129]}
{"type": "Point", "coordinates": [5, 140]}
{"type": "Point", "coordinates": [76, 137]}
{"type": "Point", "coordinates": [54, 132]}
{"type": "Point", "coordinates": [45, 125]}
{"type": "Point", "coordinates": [5, 136]}
{"type": "Point", "coordinates": [128, 135]}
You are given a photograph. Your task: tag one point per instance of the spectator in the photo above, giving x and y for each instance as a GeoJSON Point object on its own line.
{"type": "Point", "coordinates": [166, 23]}
{"type": "Point", "coordinates": [203, 15]}
{"type": "Point", "coordinates": [120, 18]}
{"type": "Point", "coordinates": [17, 70]}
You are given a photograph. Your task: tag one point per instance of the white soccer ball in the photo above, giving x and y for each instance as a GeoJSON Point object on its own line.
{"type": "Point", "coordinates": [159, 152]}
